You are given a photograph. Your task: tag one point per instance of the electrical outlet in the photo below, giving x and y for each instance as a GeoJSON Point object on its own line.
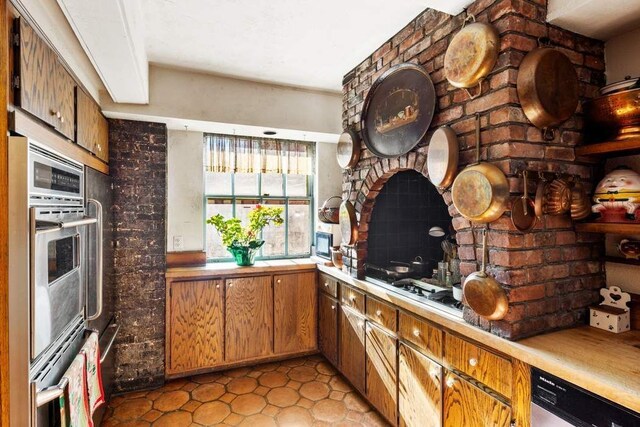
{"type": "Point", "coordinates": [178, 243]}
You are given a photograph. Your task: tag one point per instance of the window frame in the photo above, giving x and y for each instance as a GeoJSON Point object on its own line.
{"type": "Point", "coordinates": [261, 198]}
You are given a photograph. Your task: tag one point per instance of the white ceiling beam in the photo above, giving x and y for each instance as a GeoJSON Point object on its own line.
{"type": "Point", "coordinates": [112, 35]}
{"type": "Point", "coordinates": [599, 19]}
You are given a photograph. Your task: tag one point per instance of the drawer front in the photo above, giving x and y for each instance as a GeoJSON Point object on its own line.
{"type": "Point", "coordinates": [490, 369]}
{"type": "Point", "coordinates": [422, 334]}
{"type": "Point", "coordinates": [352, 298]}
{"type": "Point", "coordinates": [382, 313]}
{"type": "Point", "coordinates": [328, 284]}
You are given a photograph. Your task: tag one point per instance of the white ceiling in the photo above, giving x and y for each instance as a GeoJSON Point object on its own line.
{"type": "Point", "coordinates": [600, 19]}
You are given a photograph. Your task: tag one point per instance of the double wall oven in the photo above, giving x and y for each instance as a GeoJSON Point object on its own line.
{"type": "Point", "coordinates": [56, 277]}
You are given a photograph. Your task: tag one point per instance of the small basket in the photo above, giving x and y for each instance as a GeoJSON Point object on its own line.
{"type": "Point", "coordinates": [329, 213]}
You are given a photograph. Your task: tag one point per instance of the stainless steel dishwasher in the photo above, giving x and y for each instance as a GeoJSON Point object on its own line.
{"type": "Point", "coordinates": [558, 403]}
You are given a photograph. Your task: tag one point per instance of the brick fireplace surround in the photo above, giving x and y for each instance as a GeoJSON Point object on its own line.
{"type": "Point", "coordinates": [551, 274]}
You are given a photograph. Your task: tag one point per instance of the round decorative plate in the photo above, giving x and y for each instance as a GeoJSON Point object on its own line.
{"type": "Point", "coordinates": [398, 110]}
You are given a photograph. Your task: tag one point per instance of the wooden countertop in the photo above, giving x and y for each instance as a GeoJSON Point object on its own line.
{"type": "Point", "coordinates": [218, 269]}
{"type": "Point", "coordinates": [604, 363]}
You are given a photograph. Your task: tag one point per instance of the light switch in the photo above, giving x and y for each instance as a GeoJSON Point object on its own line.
{"type": "Point", "coordinates": [178, 243]}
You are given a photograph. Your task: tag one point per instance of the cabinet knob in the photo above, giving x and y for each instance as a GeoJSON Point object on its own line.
{"type": "Point", "coordinates": [416, 333]}
{"type": "Point", "coordinates": [378, 313]}
{"type": "Point", "coordinates": [352, 298]}
{"type": "Point", "coordinates": [99, 147]}
{"type": "Point", "coordinates": [450, 382]}
{"type": "Point", "coordinates": [473, 361]}
{"type": "Point", "coordinates": [360, 324]}
{"type": "Point", "coordinates": [326, 285]}
{"type": "Point", "coordinates": [434, 372]}
{"type": "Point", "coordinates": [278, 281]}
{"type": "Point", "coordinates": [230, 285]}
{"type": "Point", "coordinates": [61, 119]}
{"type": "Point", "coordinates": [333, 307]}
{"type": "Point", "coordinates": [217, 286]}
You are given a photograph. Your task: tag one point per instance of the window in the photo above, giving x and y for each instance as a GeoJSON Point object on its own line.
{"type": "Point", "coordinates": [241, 172]}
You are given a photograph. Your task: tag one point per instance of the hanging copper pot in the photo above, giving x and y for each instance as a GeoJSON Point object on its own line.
{"type": "Point", "coordinates": [471, 55]}
{"type": "Point", "coordinates": [348, 150]}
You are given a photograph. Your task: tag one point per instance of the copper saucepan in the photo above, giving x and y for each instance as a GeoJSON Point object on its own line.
{"type": "Point", "coordinates": [523, 211]}
{"type": "Point", "coordinates": [483, 293]}
{"type": "Point", "coordinates": [481, 191]}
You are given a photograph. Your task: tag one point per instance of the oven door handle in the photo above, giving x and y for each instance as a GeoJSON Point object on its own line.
{"type": "Point", "coordinates": [99, 261]}
{"type": "Point", "coordinates": [63, 225]}
{"type": "Point", "coordinates": [48, 394]}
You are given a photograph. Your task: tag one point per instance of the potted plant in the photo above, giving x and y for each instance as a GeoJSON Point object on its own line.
{"type": "Point", "coordinates": [244, 242]}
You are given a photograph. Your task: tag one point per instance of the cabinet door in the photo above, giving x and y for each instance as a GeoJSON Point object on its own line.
{"type": "Point", "coordinates": [92, 129]}
{"type": "Point", "coordinates": [249, 318]}
{"type": "Point", "coordinates": [351, 347]}
{"type": "Point", "coordinates": [64, 95]}
{"type": "Point", "coordinates": [467, 405]}
{"type": "Point", "coordinates": [196, 324]}
{"type": "Point", "coordinates": [328, 327]}
{"type": "Point", "coordinates": [36, 68]}
{"type": "Point", "coordinates": [420, 389]}
{"type": "Point", "coordinates": [295, 320]}
{"type": "Point", "coordinates": [382, 372]}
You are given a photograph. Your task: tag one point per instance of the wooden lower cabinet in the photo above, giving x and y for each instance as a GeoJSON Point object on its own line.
{"type": "Point", "coordinates": [467, 405]}
{"type": "Point", "coordinates": [295, 301]}
{"type": "Point", "coordinates": [249, 317]}
{"type": "Point", "coordinates": [351, 347]}
{"type": "Point", "coordinates": [197, 327]}
{"type": "Point", "coordinates": [328, 327]}
{"type": "Point", "coordinates": [382, 371]}
{"type": "Point", "coordinates": [419, 389]}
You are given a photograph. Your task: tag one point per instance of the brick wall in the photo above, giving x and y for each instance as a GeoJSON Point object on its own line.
{"type": "Point", "coordinates": [551, 274]}
{"type": "Point", "coordinates": [138, 152]}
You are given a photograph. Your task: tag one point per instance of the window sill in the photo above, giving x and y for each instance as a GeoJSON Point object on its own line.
{"type": "Point", "coordinates": [220, 269]}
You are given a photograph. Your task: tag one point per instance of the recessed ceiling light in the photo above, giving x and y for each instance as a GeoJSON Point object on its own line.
{"type": "Point", "coordinates": [269, 132]}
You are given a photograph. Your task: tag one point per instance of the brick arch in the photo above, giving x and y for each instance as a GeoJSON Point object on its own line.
{"type": "Point", "coordinates": [364, 197]}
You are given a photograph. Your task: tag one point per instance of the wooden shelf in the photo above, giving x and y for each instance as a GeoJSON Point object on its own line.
{"type": "Point", "coordinates": [620, 260]}
{"type": "Point", "coordinates": [626, 147]}
{"type": "Point", "coordinates": [608, 227]}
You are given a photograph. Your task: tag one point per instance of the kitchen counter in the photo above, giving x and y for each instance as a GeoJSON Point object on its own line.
{"type": "Point", "coordinates": [218, 269]}
{"type": "Point", "coordinates": [604, 363]}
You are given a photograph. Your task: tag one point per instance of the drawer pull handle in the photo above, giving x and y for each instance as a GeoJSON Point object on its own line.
{"type": "Point", "coordinates": [62, 119]}
{"type": "Point", "coordinates": [378, 313]}
{"type": "Point", "coordinates": [352, 298]}
{"type": "Point", "coordinates": [416, 332]}
{"type": "Point", "coordinates": [473, 361]}
{"type": "Point", "coordinates": [434, 373]}
{"type": "Point", "coordinates": [326, 285]}
{"type": "Point", "coordinates": [333, 307]}
{"type": "Point", "coordinates": [450, 382]}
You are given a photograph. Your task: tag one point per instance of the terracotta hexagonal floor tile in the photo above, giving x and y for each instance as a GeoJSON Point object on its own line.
{"type": "Point", "coordinates": [174, 419]}
{"type": "Point", "coordinates": [191, 406]}
{"type": "Point", "coordinates": [211, 413]}
{"type": "Point", "coordinates": [228, 397]}
{"type": "Point", "coordinates": [254, 374]}
{"type": "Point", "coordinates": [303, 374]}
{"type": "Point", "coordinates": [355, 416]}
{"type": "Point", "coordinates": [283, 397]}
{"type": "Point", "coordinates": [132, 409]}
{"type": "Point", "coordinates": [270, 410]}
{"type": "Point", "coordinates": [242, 385]}
{"type": "Point", "coordinates": [294, 416]}
{"type": "Point", "coordinates": [206, 378]}
{"type": "Point", "coordinates": [267, 367]}
{"type": "Point", "coordinates": [258, 420]}
{"type": "Point", "coordinates": [337, 383]}
{"type": "Point", "coordinates": [374, 419]}
{"type": "Point", "coordinates": [190, 386]}
{"type": "Point", "coordinates": [329, 410]}
{"type": "Point", "coordinates": [109, 422]}
{"type": "Point", "coordinates": [273, 379]}
{"type": "Point", "coordinates": [336, 395]}
{"type": "Point", "coordinates": [224, 380]}
{"type": "Point", "coordinates": [324, 378]}
{"type": "Point", "coordinates": [171, 400]}
{"type": "Point", "coordinates": [294, 384]}
{"type": "Point", "coordinates": [233, 419]}
{"type": "Point", "coordinates": [261, 390]}
{"type": "Point", "coordinates": [355, 402]}
{"type": "Point", "coordinates": [314, 390]}
{"type": "Point", "coordinates": [294, 362]}
{"type": "Point", "coordinates": [238, 372]}
{"type": "Point", "coordinates": [326, 368]}
{"type": "Point", "coordinates": [152, 415]}
{"type": "Point", "coordinates": [305, 403]}
{"type": "Point", "coordinates": [154, 394]}
{"type": "Point", "coordinates": [208, 392]}
{"type": "Point", "coordinates": [347, 423]}
{"type": "Point", "coordinates": [136, 423]}
{"type": "Point", "coordinates": [248, 404]}
{"type": "Point", "coordinates": [174, 384]}
{"type": "Point", "coordinates": [283, 369]}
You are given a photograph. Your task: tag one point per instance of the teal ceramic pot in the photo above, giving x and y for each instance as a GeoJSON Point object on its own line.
{"type": "Point", "coordinates": [245, 255]}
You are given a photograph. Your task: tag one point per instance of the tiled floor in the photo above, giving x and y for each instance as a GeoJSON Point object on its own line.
{"type": "Point", "coordinates": [298, 392]}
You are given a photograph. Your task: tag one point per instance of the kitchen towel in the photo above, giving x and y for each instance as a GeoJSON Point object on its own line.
{"type": "Point", "coordinates": [78, 403]}
{"type": "Point", "coordinates": [95, 390]}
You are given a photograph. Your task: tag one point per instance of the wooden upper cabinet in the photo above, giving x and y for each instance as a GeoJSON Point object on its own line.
{"type": "Point", "coordinates": [44, 87]}
{"type": "Point", "coordinates": [467, 405]}
{"type": "Point", "coordinates": [328, 327]}
{"type": "Point", "coordinates": [35, 70]}
{"type": "Point", "coordinates": [295, 301]}
{"type": "Point", "coordinates": [351, 347]}
{"type": "Point", "coordinates": [382, 371]}
{"type": "Point", "coordinates": [249, 318]}
{"type": "Point", "coordinates": [420, 389]}
{"type": "Point", "coordinates": [92, 129]}
{"type": "Point", "coordinates": [196, 324]}
{"type": "Point", "coordinates": [64, 102]}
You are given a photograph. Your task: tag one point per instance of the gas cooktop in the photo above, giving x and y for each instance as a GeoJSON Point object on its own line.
{"type": "Point", "coordinates": [424, 291]}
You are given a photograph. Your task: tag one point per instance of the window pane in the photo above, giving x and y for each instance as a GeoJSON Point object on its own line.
{"type": "Point", "coordinates": [299, 219]}
{"type": "Point", "coordinates": [215, 249]}
{"type": "Point", "coordinates": [274, 236]}
{"type": "Point", "coordinates": [217, 183]}
{"type": "Point", "coordinates": [272, 184]}
{"type": "Point", "coordinates": [243, 207]}
{"type": "Point", "coordinates": [297, 185]}
{"type": "Point", "coordinates": [246, 184]}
